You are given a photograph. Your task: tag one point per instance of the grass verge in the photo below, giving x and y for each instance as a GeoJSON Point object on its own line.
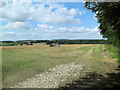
{"type": "Point", "coordinates": [112, 51]}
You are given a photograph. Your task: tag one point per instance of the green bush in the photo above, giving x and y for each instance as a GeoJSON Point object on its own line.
{"type": "Point", "coordinates": [112, 51]}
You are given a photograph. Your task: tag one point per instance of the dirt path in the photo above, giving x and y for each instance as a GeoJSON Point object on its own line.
{"type": "Point", "coordinates": [55, 77]}
{"type": "Point", "coordinates": [60, 75]}
{"type": "Point", "coordinates": [88, 55]}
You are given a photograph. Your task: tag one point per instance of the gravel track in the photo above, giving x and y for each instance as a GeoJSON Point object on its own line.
{"type": "Point", "coordinates": [56, 77]}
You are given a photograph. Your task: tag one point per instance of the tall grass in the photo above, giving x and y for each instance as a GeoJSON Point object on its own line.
{"type": "Point", "coordinates": [112, 51]}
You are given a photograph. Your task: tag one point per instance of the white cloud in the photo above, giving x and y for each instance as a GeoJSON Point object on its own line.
{"type": "Point", "coordinates": [72, 32]}
{"type": "Point", "coordinates": [43, 26]}
{"type": "Point", "coordinates": [17, 26]}
{"type": "Point", "coordinates": [73, 11]}
{"type": "Point", "coordinates": [55, 13]}
{"type": "Point", "coordinates": [15, 12]}
{"type": "Point", "coordinates": [59, 16]}
{"type": "Point", "coordinates": [80, 13]}
{"type": "Point", "coordinates": [8, 35]}
{"type": "Point", "coordinates": [18, 15]}
{"type": "Point", "coordinates": [46, 32]}
{"type": "Point", "coordinates": [48, 29]}
{"type": "Point", "coordinates": [20, 35]}
{"type": "Point", "coordinates": [9, 32]}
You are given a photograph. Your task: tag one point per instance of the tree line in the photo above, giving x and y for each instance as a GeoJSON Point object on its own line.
{"type": "Point", "coordinates": [76, 41]}
{"type": "Point", "coordinates": [64, 41]}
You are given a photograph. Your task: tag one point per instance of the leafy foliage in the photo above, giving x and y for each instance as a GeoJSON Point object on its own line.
{"type": "Point", "coordinates": [108, 15]}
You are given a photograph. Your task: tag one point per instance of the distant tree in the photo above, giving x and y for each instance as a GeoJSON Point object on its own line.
{"type": "Point", "coordinates": [31, 43]}
{"type": "Point", "coordinates": [21, 44]}
{"type": "Point", "coordinates": [27, 43]}
{"type": "Point", "coordinates": [49, 42]}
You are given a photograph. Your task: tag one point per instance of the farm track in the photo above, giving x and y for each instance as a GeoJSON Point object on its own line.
{"type": "Point", "coordinates": [58, 76]}
{"type": "Point", "coordinates": [66, 75]}
{"type": "Point", "coordinates": [88, 54]}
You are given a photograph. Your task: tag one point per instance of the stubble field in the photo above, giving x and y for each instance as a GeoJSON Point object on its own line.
{"type": "Point", "coordinates": [22, 62]}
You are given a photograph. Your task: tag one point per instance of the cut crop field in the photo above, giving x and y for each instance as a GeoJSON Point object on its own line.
{"type": "Point", "coordinates": [22, 62]}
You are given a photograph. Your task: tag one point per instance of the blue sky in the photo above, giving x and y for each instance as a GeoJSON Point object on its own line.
{"type": "Point", "coordinates": [40, 21]}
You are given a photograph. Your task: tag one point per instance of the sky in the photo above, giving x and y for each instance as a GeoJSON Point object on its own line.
{"type": "Point", "coordinates": [47, 20]}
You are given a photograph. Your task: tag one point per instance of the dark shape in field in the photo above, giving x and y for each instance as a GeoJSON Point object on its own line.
{"type": "Point", "coordinates": [54, 45]}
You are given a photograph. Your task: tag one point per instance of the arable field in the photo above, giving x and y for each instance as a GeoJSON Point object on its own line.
{"type": "Point", "coordinates": [22, 62]}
